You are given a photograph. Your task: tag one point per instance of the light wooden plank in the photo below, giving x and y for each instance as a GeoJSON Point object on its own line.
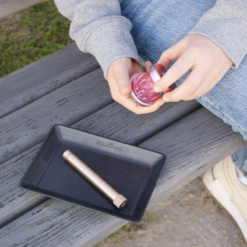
{"type": "Point", "coordinates": [29, 125]}
{"type": "Point", "coordinates": [191, 145]}
{"type": "Point", "coordinates": [15, 201]}
{"type": "Point", "coordinates": [43, 76]}
{"type": "Point", "coordinates": [8, 7]}
{"type": "Point", "coordinates": [116, 122]}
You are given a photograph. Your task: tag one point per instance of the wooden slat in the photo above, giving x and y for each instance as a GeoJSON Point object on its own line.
{"type": "Point", "coordinates": [8, 7]}
{"type": "Point", "coordinates": [191, 145]}
{"type": "Point", "coordinates": [28, 126]}
{"type": "Point", "coordinates": [43, 76]}
{"type": "Point", "coordinates": [15, 201]}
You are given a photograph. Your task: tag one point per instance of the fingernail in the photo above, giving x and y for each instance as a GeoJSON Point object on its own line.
{"type": "Point", "coordinates": [157, 89]}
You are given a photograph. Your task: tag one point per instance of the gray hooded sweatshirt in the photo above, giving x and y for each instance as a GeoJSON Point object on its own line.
{"type": "Point", "coordinates": [98, 28]}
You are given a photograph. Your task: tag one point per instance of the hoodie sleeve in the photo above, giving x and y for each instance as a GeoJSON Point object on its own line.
{"type": "Point", "coordinates": [226, 25]}
{"type": "Point", "coordinates": [98, 28]}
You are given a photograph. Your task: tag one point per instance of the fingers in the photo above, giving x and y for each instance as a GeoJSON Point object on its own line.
{"type": "Point", "coordinates": [183, 64]}
{"type": "Point", "coordinates": [202, 89]}
{"type": "Point", "coordinates": [119, 72]}
{"type": "Point", "coordinates": [208, 63]}
{"type": "Point", "coordinates": [148, 64]}
{"type": "Point", "coordinates": [137, 109]}
{"type": "Point", "coordinates": [189, 86]}
{"type": "Point", "coordinates": [173, 53]}
{"type": "Point", "coordinates": [128, 103]}
{"type": "Point", "coordinates": [178, 69]}
{"type": "Point", "coordinates": [209, 81]}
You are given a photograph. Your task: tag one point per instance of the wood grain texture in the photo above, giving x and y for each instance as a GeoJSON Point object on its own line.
{"type": "Point", "coordinates": [8, 7]}
{"type": "Point", "coordinates": [43, 76]}
{"type": "Point", "coordinates": [29, 125]}
{"type": "Point", "coordinates": [191, 145]}
{"type": "Point", "coordinates": [116, 122]}
{"type": "Point", "coordinates": [15, 201]}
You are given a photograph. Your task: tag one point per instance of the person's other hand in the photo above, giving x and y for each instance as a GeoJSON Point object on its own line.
{"type": "Point", "coordinates": [208, 63]}
{"type": "Point", "coordinates": [118, 76]}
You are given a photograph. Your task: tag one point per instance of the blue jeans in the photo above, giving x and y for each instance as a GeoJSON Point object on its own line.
{"type": "Point", "coordinates": [159, 24]}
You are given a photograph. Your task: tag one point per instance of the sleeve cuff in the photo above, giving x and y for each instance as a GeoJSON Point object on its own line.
{"type": "Point", "coordinates": [111, 41]}
{"type": "Point", "coordinates": [226, 25]}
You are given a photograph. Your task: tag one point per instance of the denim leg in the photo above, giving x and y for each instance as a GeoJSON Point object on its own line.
{"type": "Point", "coordinates": [159, 24]}
{"type": "Point", "coordinates": [239, 158]}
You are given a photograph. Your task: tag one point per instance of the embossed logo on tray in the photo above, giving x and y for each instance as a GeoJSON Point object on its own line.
{"type": "Point", "coordinates": [109, 145]}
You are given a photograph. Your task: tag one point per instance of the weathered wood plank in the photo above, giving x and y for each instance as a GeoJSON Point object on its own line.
{"type": "Point", "coordinates": [15, 201]}
{"type": "Point", "coordinates": [191, 145]}
{"type": "Point", "coordinates": [8, 7]}
{"type": "Point", "coordinates": [116, 122]}
{"type": "Point", "coordinates": [43, 76]}
{"type": "Point", "coordinates": [28, 126]}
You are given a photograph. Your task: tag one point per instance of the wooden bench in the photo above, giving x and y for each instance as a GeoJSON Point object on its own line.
{"type": "Point", "coordinates": [68, 88]}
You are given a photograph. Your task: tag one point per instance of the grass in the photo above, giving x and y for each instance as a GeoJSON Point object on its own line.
{"type": "Point", "coordinates": [30, 35]}
{"type": "Point", "coordinates": [150, 218]}
{"type": "Point", "coordinates": [97, 245]}
{"type": "Point", "coordinates": [117, 235]}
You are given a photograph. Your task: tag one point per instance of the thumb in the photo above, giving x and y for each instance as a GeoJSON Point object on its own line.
{"type": "Point", "coordinates": [123, 81]}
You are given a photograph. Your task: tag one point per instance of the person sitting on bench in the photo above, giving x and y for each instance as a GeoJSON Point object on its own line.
{"type": "Point", "coordinates": [203, 45]}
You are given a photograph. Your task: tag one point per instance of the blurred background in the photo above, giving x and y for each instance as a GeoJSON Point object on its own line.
{"type": "Point", "coordinates": [30, 35]}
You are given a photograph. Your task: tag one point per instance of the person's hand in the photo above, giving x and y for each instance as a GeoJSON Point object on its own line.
{"type": "Point", "coordinates": [118, 76]}
{"type": "Point", "coordinates": [208, 63]}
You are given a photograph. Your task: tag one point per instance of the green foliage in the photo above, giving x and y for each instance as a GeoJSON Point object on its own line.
{"type": "Point", "coordinates": [97, 245]}
{"type": "Point", "coordinates": [30, 35]}
{"type": "Point", "coordinates": [118, 241]}
{"type": "Point", "coordinates": [116, 236]}
{"type": "Point", "coordinates": [151, 218]}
